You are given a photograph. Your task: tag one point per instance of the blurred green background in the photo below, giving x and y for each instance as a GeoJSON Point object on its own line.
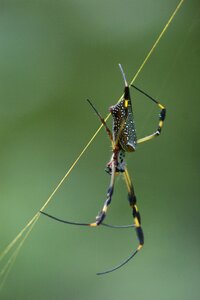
{"type": "Point", "coordinates": [54, 55]}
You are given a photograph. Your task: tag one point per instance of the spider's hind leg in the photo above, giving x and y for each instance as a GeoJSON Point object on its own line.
{"type": "Point", "coordinates": [137, 223]}
{"type": "Point", "coordinates": [135, 211]}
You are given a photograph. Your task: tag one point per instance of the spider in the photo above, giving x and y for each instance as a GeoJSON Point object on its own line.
{"type": "Point", "coordinates": [123, 139]}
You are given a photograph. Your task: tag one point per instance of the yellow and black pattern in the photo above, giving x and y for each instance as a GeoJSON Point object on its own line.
{"type": "Point", "coordinates": [162, 116]}
{"type": "Point", "coordinates": [135, 211]}
{"type": "Point", "coordinates": [123, 139]}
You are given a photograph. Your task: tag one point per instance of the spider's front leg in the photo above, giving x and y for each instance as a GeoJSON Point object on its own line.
{"type": "Point", "coordinates": [162, 116]}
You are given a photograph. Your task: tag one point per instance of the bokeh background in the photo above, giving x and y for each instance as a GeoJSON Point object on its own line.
{"type": "Point", "coordinates": [54, 55]}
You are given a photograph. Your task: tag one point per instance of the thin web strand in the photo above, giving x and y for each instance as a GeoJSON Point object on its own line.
{"type": "Point", "coordinates": [34, 220]}
{"type": "Point", "coordinates": [157, 41]}
{"type": "Point", "coordinates": [10, 262]}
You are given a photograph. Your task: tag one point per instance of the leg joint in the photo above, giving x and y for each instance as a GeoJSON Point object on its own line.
{"type": "Point", "coordinates": [100, 217]}
{"type": "Point", "coordinates": [158, 131]}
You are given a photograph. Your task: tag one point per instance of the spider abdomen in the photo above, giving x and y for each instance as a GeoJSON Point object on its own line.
{"type": "Point", "coordinates": [124, 131]}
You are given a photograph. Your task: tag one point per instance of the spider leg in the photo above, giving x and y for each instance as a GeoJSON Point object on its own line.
{"type": "Point", "coordinates": [137, 223]}
{"type": "Point", "coordinates": [86, 224]}
{"type": "Point", "coordinates": [118, 226]}
{"type": "Point", "coordinates": [162, 116]}
{"type": "Point", "coordinates": [64, 221]}
{"type": "Point", "coordinates": [135, 211]}
{"type": "Point", "coordinates": [102, 214]}
{"type": "Point", "coordinates": [103, 122]}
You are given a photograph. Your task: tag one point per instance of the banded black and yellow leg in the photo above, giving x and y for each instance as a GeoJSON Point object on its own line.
{"type": "Point", "coordinates": [135, 211]}
{"type": "Point", "coordinates": [137, 223]}
{"type": "Point", "coordinates": [162, 116]}
{"type": "Point", "coordinates": [101, 216]}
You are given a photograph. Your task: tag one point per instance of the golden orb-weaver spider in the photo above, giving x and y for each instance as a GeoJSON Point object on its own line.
{"type": "Point", "coordinates": [123, 138]}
